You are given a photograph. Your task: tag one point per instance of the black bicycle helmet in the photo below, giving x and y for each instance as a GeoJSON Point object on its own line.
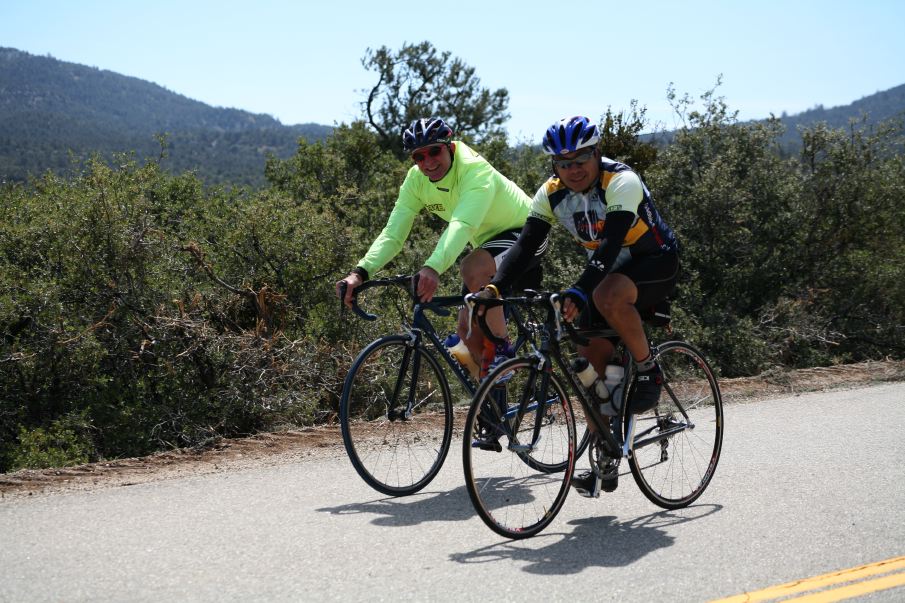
{"type": "Point", "coordinates": [425, 131]}
{"type": "Point", "coordinates": [570, 134]}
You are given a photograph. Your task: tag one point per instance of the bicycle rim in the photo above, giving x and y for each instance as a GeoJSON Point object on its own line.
{"type": "Point", "coordinates": [516, 492]}
{"type": "Point", "coordinates": [394, 452]}
{"type": "Point", "coordinates": [674, 454]}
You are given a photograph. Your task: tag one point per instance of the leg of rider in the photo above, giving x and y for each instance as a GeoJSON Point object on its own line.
{"type": "Point", "coordinates": [615, 298]}
{"type": "Point", "coordinates": [477, 268]}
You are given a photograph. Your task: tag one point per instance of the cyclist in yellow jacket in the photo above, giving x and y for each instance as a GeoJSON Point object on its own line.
{"type": "Point", "coordinates": [484, 209]}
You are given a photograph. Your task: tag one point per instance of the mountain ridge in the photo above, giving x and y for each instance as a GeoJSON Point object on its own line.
{"type": "Point", "coordinates": [53, 110]}
{"type": "Point", "coordinates": [49, 107]}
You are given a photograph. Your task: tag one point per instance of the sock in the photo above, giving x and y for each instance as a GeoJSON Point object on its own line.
{"type": "Point", "coordinates": [491, 350]}
{"type": "Point", "coordinates": [647, 364]}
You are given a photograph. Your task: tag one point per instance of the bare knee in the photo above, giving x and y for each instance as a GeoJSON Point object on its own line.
{"type": "Point", "coordinates": [477, 269]}
{"type": "Point", "coordinates": [616, 294]}
{"type": "Point", "coordinates": [606, 301]}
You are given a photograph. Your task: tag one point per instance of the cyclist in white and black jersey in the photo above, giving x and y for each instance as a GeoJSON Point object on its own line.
{"type": "Point", "coordinates": [633, 256]}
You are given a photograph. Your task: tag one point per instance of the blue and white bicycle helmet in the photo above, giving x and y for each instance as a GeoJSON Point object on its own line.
{"type": "Point", "coordinates": [425, 131]}
{"type": "Point", "coordinates": [570, 134]}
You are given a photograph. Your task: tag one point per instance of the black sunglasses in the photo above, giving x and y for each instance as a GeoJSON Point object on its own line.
{"type": "Point", "coordinates": [418, 156]}
{"type": "Point", "coordinates": [565, 164]}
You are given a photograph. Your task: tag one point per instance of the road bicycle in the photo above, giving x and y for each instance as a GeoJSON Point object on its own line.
{"type": "Point", "coordinates": [672, 449]}
{"type": "Point", "coordinates": [396, 408]}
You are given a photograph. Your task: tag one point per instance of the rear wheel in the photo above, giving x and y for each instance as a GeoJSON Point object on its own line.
{"type": "Point", "coordinates": [396, 416]}
{"type": "Point", "coordinates": [676, 445]}
{"type": "Point", "coordinates": [516, 488]}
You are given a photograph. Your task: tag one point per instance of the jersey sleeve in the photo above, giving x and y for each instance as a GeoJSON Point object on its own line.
{"type": "Point", "coordinates": [478, 191]}
{"type": "Point", "coordinates": [389, 243]}
{"type": "Point", "coordinates": [624, 193]}
{"type": "Point", "coordinates": [540, 205]}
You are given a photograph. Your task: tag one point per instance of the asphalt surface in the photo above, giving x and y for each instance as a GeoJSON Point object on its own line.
{"type": "Point", "coordinates": [806, 485]}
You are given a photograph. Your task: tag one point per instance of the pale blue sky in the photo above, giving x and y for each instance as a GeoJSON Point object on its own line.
{"type": "Point", "coordinates": [301, 61]}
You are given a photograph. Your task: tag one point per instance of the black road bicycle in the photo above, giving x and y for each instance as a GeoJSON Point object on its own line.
{"type": "Point", "coordinates": [672, 449]}
{"type": "Point", "coordinates": [396, 409]}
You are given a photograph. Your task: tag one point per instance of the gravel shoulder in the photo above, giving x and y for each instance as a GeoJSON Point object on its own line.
{"type": "Point", "coordinates": [311, 443]}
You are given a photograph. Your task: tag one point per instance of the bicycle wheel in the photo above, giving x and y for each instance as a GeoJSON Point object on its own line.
{"type": "Point", "coordinates": [396, 416]}
{"type": "Point", "coordinates": [517, 491]}
{"type": "Point", "coordinates": [552, 452]}
{"type": "Point", "coordinates": [676, 446]}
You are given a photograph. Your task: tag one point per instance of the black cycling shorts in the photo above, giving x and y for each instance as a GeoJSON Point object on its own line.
{"type": "Point", "coordinates": [655, 276]}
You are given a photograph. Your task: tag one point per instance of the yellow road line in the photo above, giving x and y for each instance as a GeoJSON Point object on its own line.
{"type": "Point", "coordinates": [840, 577]}
{"type": "Point", "coordinates": [852, 590]}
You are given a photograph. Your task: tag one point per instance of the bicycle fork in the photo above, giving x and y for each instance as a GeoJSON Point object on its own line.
{"type": "Point", "coordinates": [404, 413]}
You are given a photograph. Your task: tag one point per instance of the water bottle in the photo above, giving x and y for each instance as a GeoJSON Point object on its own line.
{"type": "Point", "coordinates": [584, 371]}
{"type": "Point", "coordinates": [461, 353]}
{"type": "Point", "coordinates": [589, 379]}
{"type": "Point", "coordinates": [613, 382]}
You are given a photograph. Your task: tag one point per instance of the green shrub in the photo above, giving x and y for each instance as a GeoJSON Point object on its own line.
{"type": "Point", "coordinates": [141, 311]}
{"type": "Point", "coordinates": [60, 445]}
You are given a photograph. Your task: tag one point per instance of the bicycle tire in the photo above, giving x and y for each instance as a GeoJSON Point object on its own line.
{"type": "Point", "coordinates": [394, 455]}
{"type": "Point", "coordinates": [515, 492]}
{"type": "Point", "coordinates": [673, 457]}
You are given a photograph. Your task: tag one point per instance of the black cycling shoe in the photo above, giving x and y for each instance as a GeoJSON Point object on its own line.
{"type": "Point", "coordinates": [609, 481]}
{"type": "Point", "coordinates": [648, 386]}
{"type": "Point", "coordinates": [487, 443]}
{"type": "Point", "coordinates": [586, 484]}
{"type": "Point", "coordinates": [486, 438]}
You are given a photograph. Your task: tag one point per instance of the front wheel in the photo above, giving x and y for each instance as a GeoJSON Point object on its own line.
{"type": "Point", "coordinates": [518, 485]}
{"type": "Point", "coordinates": [676, 445]}
{"type": "Point", "coordinates": [396, 416]}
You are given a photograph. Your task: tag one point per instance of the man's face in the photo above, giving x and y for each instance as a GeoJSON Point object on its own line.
{"type": "Point", "coordinates": [577, 170]}
{"type": "Point", "coordinates": [433, 161]}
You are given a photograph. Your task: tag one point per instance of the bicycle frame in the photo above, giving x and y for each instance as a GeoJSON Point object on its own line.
{"type": "Point", "coordinates": [550, 353]}
{"type": "Point", "coordinates": [420, 326]}
{"type": "Point", "coordinates": [671, 459]}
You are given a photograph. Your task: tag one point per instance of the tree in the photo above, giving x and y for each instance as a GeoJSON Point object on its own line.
{"type": "Point", "coordinates": [419, 81]}
{"type": "Point", "coordinates": [621, 140]}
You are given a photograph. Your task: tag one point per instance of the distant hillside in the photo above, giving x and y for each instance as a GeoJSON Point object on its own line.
{"type": "Point", "coordinates": [877, 107]}
{"type": "Point", "coordinates": [49, 108]}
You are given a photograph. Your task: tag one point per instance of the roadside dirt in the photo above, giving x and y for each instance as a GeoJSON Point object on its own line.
{"type": "Point", "coordinates": [293, 446]}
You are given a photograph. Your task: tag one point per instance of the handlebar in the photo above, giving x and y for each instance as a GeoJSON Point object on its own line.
{"type": "Point", "coordinates": [553, 301]}
{"type": "Point", "coordinates": [404, 281]}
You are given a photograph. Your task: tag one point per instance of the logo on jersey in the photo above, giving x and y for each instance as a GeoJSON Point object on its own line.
{"type": "Point", "coordinates": [435, 207]}
{"type": "Point", "coordinates": [585, 229]}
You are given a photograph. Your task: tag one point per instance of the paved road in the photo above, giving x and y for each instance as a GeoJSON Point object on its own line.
{"type": "Point", "coordinates": [806, 485]}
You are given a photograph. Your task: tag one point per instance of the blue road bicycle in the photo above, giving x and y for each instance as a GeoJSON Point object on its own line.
{"type": "Point", "coordinates": [396, 410]}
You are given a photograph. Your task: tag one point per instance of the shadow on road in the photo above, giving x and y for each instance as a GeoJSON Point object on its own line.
{"type": "Point", "coordinates": [412, 510]}
{"type": "Point", "coordinates": [595, 542]}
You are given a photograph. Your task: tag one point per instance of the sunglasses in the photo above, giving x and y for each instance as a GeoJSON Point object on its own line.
{"type": "Point", "coordinates": [565, 164]}
{"type": "Point", "coordinates": [418, 156]}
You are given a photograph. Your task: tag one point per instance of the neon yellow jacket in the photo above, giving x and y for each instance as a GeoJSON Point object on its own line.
{"type": "Point", "coordinates": [476, 200]}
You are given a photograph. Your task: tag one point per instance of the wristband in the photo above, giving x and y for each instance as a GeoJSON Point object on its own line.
{"type": "Point", "coordinates": [493, 289]}
{"type": "Point", "coordinates": [360, 272]}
